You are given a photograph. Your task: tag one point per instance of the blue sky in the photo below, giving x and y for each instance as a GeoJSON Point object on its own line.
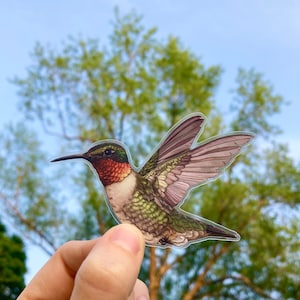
{"type": "Point", "coordinates": [264, 35]}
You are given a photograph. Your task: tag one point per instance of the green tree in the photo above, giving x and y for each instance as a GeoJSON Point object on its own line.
{"type": "Point", "coordinates": [28, 192]}
{"type": "Point", "coordinates": [12, 265]}
{"type": "Point", "coordinates": [134, 89]}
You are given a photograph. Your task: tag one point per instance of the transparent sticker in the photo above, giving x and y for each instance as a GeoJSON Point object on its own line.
{"type": "Point", "coordinates": [150, 197]}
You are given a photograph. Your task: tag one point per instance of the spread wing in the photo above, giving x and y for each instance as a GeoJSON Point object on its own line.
{"type": "Point", "coordinates": [179, 140]}
{"type": "Point", "coordinates": [175, 168]}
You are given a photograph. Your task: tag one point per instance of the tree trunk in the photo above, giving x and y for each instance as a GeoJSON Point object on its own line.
{"type": "Point", "coordinates": [153, 276]}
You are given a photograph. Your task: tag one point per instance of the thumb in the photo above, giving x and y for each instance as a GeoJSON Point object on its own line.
{"type": "Point", "coordinates": [111, 268]}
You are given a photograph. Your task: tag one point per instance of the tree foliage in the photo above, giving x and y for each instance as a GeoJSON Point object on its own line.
{"type": "Point", "coordinates": [12, 265]}
{"type": "Point", "coordinates": [134, 89]}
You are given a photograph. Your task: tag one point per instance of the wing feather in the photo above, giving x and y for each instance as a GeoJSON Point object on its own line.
{"type": "Point", "coordinates": [195, 167]}
{"type": "Point", "coordinates": [176, 166]}
{"type": "Point", "coordinates": [179, 139]}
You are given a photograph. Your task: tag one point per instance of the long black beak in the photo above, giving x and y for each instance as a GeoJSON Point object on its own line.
{"type": "Point", "coordinates": [73, 156]}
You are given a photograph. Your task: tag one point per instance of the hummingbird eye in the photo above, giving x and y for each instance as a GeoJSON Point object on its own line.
{"type": "Point", "coordinates": [108, 152]}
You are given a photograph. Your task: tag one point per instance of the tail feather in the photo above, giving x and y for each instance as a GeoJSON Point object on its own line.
{"type": "Point", "coordinates": [186, 228]}
{"type": "Point", "coordinates": [222, 233]}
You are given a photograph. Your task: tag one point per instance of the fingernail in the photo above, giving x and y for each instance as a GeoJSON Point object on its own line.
{"type": "Point", "coordinates": [126, 238]}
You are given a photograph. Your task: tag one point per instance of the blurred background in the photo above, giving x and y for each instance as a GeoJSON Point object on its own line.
{"type": "Point", "coordinates": [75, 72]}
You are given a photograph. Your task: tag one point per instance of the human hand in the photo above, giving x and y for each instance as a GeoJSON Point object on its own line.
{"type": "Point", "coordinates": [104, 268]}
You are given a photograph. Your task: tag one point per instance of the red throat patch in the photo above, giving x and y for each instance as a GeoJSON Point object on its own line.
{"type": "Point", "coordinates": [110, 171]}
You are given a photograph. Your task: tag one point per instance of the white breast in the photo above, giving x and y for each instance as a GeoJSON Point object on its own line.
{"type": "Point", "coordinates": [120, 193]}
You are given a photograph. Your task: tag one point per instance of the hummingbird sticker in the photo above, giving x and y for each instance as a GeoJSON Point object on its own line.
{"type": "Point", "coordinates": [150, 197]}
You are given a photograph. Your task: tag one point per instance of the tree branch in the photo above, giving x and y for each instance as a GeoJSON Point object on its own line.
{"type": "Point", "coordinates": [164, 267]}
{"type": "Point", "coordinates": [199, 282]}
{"type": "Point", "coordinates": [13, 209]}
{"type": "Point", "coordinates": [246, 281]}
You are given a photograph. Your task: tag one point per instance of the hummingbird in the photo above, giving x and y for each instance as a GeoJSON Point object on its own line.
{"type": "Point", "coordinates": [150, 197]}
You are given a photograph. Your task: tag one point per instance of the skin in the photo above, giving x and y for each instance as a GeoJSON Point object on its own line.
{"type": "Point", "coordinates": [104, 268]}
